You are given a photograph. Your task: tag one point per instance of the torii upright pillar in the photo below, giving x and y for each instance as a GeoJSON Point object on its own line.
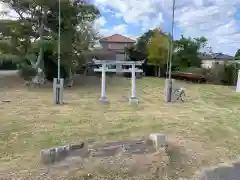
{"type": "Point", "coordinates": [103, 97]}
{"type": "Point", "coordinates": [238, 82]}
{"type": "Point", "coordinates": [133, 99]}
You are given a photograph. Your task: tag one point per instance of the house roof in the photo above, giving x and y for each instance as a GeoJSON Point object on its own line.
{"type": "Point", "coordinates": [117, 38]}
{"type": "Point", "coordinates": [217, 56]}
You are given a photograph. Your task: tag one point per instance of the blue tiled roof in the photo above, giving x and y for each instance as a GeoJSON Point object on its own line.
{"type": "Point", "coordinates": [217, 56]}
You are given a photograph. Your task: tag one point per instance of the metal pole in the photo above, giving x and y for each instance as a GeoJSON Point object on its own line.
{"type": "Point", "coordinates": [169, 53]}
{"type": "Point", "coordinates": [59, 37]}
{"type": "Point", "coordinates": [168, 83]}
{"type": "Point", "coordinates": [58, 82]}
{"type": "Point", "coordinates": [171, 48]}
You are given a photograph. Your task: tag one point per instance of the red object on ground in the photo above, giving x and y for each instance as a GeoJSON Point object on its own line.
{"type": "Point", "coordinates": [188, 76]}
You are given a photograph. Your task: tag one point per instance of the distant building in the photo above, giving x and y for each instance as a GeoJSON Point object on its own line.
{"type": "Point", "coordinates": [112, 48]}
{"type": "Point", "coordinates": [116, 45]}
{"type": "Point", "coordinates": [209, 61]}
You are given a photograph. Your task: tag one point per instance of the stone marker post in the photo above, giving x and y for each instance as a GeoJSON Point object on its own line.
{"type": "Point", "coordinates": [58, 90]}
{"type": "Point", "coordinates": [168, 91]}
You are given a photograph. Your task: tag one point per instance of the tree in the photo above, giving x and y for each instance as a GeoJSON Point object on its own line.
{"type": "Point", "coordinates": [158, 50]}
{"type": "Point", "coordinates": [143, 41]}
{"type": "Point", "coordinates": [36, 28]}
{"type": "Point", "coordinates": [139, 51]}
{"type": "Point", "coordinates": [187, 50]}
{"type": "Point", "coordinates": [134, 54]}
{"type": "Point", "coordinates": [237, 55]}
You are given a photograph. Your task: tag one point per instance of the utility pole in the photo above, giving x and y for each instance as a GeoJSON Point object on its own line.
{"type": "Point", "coordinates": [58, 82]}
{"type": "Point", "coordinates": [59, 37]}
{"type": "Point", "coordinates": [168, 81]}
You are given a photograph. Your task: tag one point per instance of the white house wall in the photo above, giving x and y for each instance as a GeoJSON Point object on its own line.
{"type": "Point", "coordinates": [207, 64]}
{"type": "Point", "coordinates": [120, 57]}
{"type": "Point", "coordinates": [115, 46]}
{"type": "Point", "coordinates": [210, 63]}
{"type": "Point", "coordinates": [118, 45]}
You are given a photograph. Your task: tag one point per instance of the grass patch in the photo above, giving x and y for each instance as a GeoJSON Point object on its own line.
{"type": "Point", "coordinates": [31, 122]}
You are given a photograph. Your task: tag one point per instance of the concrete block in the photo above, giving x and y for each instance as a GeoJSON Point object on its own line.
{"type": "Point", "coordinates": [77, 146]}
{"type": "Point", "coordinates": [79, 150]}
{"type": "Point", "coordinates": [159, 140]}
{"type": "Point", "coordinates": [54, 154]}
{"type": "Point", "coordinates": [133, 100]}
{"type": "Point", "coordinates": [58, 91]}
{"type": "Point", "coordinates": [103, 100]}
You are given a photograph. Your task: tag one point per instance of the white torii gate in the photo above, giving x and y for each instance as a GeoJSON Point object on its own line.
{"type": "Point", "coordinates": [133, 99]}
{"type": "Point", "coordinates": [238, 82]}
{"type": "Point", "coordinates": [238, 78]}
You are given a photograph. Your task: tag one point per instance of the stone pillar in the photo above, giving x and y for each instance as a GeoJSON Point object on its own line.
{"type": "Point", "coordinates": [133, 99]}
{"type": "Point", "coordinates": [168, 91]}
{"type": "Point", "coordinates": [159, 140]}
{"type": "Point", "coordinates": [103, 97]}
{"type": "Point", "coordinates": [238, 82]}
{"type": "Point", "coordinates": [118, 69]}
{"type": "Point", "coordinates": [58, 91]}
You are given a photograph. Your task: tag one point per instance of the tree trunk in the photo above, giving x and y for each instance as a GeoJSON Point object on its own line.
{"type": "Point", "coordinates": [85, 70]}
{"type": "Point", "coordinates": [68, 82]}
{"type": "Point", "coordinates": [39, 79]}
{"type": "Point", "coordinates": [70, 78]}
{"type": "Point", "coordinates": [156, 71]}
{"type": "Point", "coordinates": [159, 71]}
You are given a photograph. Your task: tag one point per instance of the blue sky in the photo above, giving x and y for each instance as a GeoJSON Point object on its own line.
{"type": "Point", "coordinates": [218, 20]}
{"type": "Point", "coordinates": [237, 16]}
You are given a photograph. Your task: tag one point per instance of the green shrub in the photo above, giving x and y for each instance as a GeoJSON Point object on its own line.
{"type": "Point", "coordinates": [230, 76]}
{"type": "Point", "coordinates": [27, 72]}
{"type": "Point", "coordinates": [222, 74]}
{"type": "Point", "coordinates": [216, 74]}
{"type": "Point", "coordinates": [8, 66]}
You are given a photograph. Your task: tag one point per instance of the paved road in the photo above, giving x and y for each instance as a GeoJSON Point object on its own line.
{"type": "Point", "coordinates": [231, 172]}
{"type": "Point", "coordinates": [8, 72]}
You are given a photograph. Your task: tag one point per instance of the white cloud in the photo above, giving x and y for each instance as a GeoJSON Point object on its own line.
{"type": "Point", "coordinates": [120, 29]}
{"type": "Point", "coordinates": [134, 11]}
{"type": "Point", "coordinates": [214, 19]}
{"type": "Point", "coordinates": [101, 22]}
{"type": "Point", "coordinates": [148, 23]}
{"type": "Point", "coordinates": [7, 13]}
